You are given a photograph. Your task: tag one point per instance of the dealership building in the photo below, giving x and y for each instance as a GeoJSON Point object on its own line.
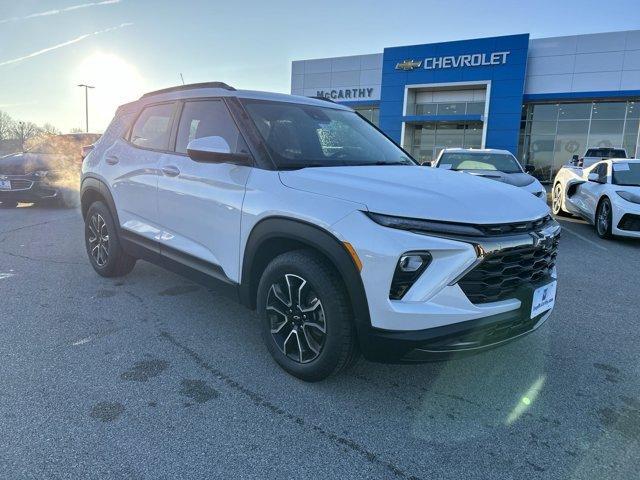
{"type": "Point", "coordinates": [544, 99]}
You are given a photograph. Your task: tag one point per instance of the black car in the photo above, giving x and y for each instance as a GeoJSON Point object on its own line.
{"type": "Point", "coordinates": [48, 171]}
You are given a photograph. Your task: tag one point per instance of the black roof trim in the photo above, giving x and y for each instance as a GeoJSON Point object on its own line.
{"type": "Point", "coordinates": [323, 98]}
{"type": "Point", "coordinates": [191, 86]}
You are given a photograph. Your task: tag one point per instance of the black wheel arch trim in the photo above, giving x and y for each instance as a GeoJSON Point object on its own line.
{"type": "Point", "coordinates": [314, 237]}
{"type": "Point", "coordinates": [96, 185]}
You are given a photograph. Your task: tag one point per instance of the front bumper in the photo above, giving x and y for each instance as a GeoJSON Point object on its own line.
{"type": "Point", "coordinates": [454, 340]}
{"type": "Point", "coordinates": [625, 215]}
{"type": "Point", "coordinates": [27, 189]}
{"type": "Point", "coordinates": [435, 318]}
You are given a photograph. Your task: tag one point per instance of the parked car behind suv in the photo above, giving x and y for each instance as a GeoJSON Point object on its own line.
{"type": "Point", "coordinates": [312, 216]}
{"type": "Point", "coordinates": [493, 164]}
{"type": "Point", "coordinates": [47, 171]}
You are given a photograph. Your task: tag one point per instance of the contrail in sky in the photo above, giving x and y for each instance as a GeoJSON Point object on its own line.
{"type": "Point", "coordinates": [61, 10]}
{"type": "Point", "coordinates": [64, 44]}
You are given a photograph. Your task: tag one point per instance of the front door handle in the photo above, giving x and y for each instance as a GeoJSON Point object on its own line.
{"type": "Point", "coordinates": [171, 171]}
{"type": "Point", "coordinates": [112, 160]}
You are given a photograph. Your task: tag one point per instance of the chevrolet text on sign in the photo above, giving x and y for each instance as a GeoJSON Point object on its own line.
{"type": "Point", "coordinates": [473, 60]}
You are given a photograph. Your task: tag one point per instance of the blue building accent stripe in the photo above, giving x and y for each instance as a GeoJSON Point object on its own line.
{"type": "Point", "coordinates": [541, 97]}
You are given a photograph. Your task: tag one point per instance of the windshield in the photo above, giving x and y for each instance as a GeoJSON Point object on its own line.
{"type": "Point", "coordinates": [501, 162]}
{"type": "Point", "coordinates": [299, 136]}
{"type": "Point", "coordinates": [627, 174]}
{"type": "Point", "coordinates": [606, 153]}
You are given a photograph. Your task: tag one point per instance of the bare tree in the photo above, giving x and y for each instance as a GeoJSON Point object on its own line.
{"type": "Point", "coordinates": [24, 131]}
{"type": "Point", "coordinates": [49, 129]}
{"type": "Point", "coordinates": [6, 126]}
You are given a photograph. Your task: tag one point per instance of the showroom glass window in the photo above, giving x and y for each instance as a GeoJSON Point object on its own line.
{"type": "Point", "coordinates": [552, 133]}
{"type": "Point", "coordinates": [370, 113]}
{"type": "Point", "coordinates": [208, 118]}
{"type": "Point", "coordinates": [426, 140]}
{"type": "Point", "coordinates": [153, 127]}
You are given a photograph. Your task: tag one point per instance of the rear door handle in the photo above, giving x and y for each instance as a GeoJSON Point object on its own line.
{"type": "Point", "coordinates": [112, 160]}
{"type": "Point", "coordinates": [171, 171]}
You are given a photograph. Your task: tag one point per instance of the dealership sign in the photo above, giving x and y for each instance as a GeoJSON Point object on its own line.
{"type": "Point", "coordinates": [467, 60]}
{"type": "Point", "coordinates": [346, 93]}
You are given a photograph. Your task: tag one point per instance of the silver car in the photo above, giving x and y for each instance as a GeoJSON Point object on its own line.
{"type": "Point", "coordinates": [490, 163]}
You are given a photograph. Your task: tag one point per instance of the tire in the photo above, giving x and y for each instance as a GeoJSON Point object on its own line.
{"type": "Point", "coordinates": [324, 342]}
{"type": "Point", "coordinates": [8, 204]}
{"type": "Point", "coordinates": [556, 200]}
{"type": "Point", "coordinates": [603, 220]}
{"type": "Point", "coordinates": [105, 253]}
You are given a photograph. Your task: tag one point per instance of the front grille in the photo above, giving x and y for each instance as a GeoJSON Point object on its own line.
{"type": "Point", "coordinates": [512, 228]}
{"type": "Point", "coordinates": [21, 184]}
{"type": "Point", "coordinates": [630, 222]}
{"type": "Point", "coordinates": [503, 272]}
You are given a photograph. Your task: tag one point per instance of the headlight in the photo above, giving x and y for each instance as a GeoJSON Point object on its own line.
{"type": "Point", "coordinates": [629, 197]}
{"type": "Point", "coordinates": [427, 226]}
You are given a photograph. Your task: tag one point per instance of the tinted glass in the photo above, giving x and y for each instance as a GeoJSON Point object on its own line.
{"type": "Point", "coordinates": [609, 110]}
{"type": "Point", "coordinates": [480, 161]}
{"type": "Point", "coordinates": [574, 111]}
{"type": "Point", "coordinates": [605, 153]}
{"type": "Point", "coordinates": [208, 119]}
{"type": "Point", "coordinates": [299, 136]}
{"type": "Point", "coordinates": [626, 174]}
{"type": "Point", "coordinates": [153, 127]}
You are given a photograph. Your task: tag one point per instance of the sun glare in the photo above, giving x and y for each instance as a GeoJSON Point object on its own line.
{"type": "Point", "coordinates": [115, 81]}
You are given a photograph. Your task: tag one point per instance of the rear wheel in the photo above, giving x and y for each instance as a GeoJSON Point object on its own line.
{"type": "Point", "coordinates": [103, 245]}
{"type": "Point", "coordinates": [604, 216]}
{"type": "Point", "coordinates": [307, 322]}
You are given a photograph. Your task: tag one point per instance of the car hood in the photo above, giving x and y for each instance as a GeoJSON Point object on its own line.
{"type": "Point", "coordinates": [519, 179]}
{"type": "Point", "coordinates": [26, 163]}
{"type": "Point", "coordinates": [420, 192]}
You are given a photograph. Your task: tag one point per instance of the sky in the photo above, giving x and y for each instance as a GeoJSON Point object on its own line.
{"type": "Point", "coordinates": [128, 47]}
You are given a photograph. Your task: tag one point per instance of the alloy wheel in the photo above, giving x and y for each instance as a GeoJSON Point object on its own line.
{"type": "Point", "coordinates": [296, 318]}
{"type": "Point", "coordinates": [603, 218]}
{"type": "Point", "coordinates": [557, 200]}
{"type": "Point", "coordinates": [98, 240]}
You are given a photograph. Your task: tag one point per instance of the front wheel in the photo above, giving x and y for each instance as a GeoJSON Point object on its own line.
{"type": "Point", "coordinates": [307, 323]}
{"type": "Point", "coordinates": [106, 255]}
{"type": "Point", "coordinates": [604, 217]}
{"type": "Point", "coordinates": [556, 200]}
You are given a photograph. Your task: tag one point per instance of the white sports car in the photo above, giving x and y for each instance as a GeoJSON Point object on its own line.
{"type": "Point", "coordinates": [499, 165]}
{"type": "Point", "coordinates": [606, 194]}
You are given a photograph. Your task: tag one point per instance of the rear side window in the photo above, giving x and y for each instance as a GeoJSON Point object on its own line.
{"type": "Point", "coordinates": [208, 118]}
{"type": "Point", "coordinates": [153, 127]}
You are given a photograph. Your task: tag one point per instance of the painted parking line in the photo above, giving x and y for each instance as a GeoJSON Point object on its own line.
{"type": "Point", "coordinates": [582, 237]}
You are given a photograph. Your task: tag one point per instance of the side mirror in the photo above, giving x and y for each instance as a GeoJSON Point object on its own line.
{"type": "Point", "coordinates": [594, 177]}
{"type": "Point", "coordinates": [529, 168]}
{"type": "Point", "coordinates": [215, 150]}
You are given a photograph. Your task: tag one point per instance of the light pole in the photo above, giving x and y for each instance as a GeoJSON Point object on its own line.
{"type": "Point", "coordinates": [86, 102]}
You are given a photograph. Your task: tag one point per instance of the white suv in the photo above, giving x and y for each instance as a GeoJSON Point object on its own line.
{"type": "Point", "coordinates": [313, 216]}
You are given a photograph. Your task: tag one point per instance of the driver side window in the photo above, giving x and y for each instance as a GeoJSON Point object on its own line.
{"type": "Point", "coordinates": [602, 172]}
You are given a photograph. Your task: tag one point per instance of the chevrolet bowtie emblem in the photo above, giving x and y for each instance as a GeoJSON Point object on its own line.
{"type": "Point", "coordinates": [408, 64]}
{"type": "Point", "coordinates": [542, 240]}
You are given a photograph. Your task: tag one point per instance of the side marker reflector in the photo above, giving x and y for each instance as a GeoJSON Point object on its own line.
{"type": "Point", "coordinates": [354, 255]}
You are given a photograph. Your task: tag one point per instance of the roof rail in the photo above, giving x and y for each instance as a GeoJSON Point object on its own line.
{"type": "Point", "coordinates": [190, 86]}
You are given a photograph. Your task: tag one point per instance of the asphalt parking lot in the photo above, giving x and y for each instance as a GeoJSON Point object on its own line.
{"type": "Point", "coordinates": [151, 376]}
